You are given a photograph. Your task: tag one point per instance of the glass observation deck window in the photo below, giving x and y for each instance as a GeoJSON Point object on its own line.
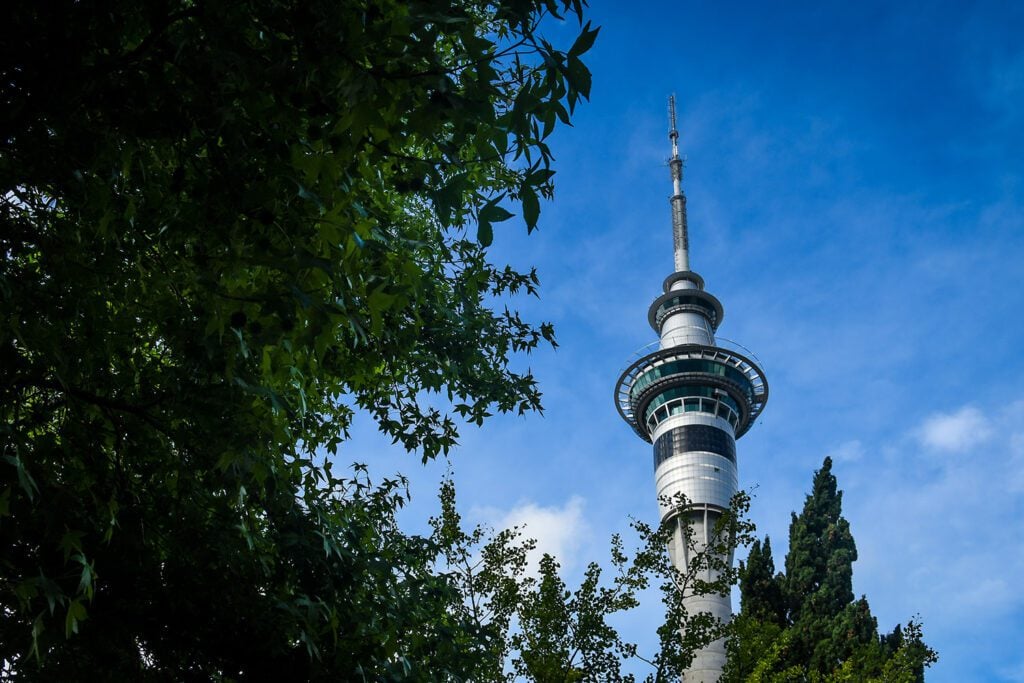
{"type": "Point", "coordinates": [675, 367]}
{"type": "Point", "coordinates": [678, 400]}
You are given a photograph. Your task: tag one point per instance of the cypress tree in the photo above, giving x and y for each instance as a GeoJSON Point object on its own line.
{"type": "Point", "coordinates": [805, 624]}
{"type": "Point", "coordinates": [762, 616]}
{"type": "Point", "coordinates": [819, 580]}
{"type": "Point", "coordinates": [760, 588]}
{"type": "Point", "coordinates": [819, 565]}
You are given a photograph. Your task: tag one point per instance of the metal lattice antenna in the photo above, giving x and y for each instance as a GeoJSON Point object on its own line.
{"type": "Point", "coordinates": [680, 235]}
{"type": "Point", "coordinates": [673, 134]}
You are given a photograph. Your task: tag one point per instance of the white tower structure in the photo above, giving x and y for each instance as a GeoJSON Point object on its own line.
{"type": "Point", "coordinates": [692, 399]}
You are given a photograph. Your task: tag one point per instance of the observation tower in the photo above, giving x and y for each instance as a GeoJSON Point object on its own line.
{"type": "Point", "coordinates": [692, 398]}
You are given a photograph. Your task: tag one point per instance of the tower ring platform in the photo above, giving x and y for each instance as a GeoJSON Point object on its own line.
{"type": "Point", "coordinates": [731, 386]}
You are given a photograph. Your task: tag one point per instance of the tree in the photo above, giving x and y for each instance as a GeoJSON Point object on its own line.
{"type": "Point", "coordinates": [227, 226]}
{"type": "Point", "coordinates": [761, 587]}
{"type": "Point", "coordinates": [819, 579]}
{"type": "Point", "coordinates": [805, 625]}
{"type": "Point", "coordinates": [762, 616]}
{"type": "Point", "coordinates": [540, 630]}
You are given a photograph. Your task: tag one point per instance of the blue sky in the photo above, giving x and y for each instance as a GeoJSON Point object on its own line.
{"type": "Point", "coordinates": [855, 188]}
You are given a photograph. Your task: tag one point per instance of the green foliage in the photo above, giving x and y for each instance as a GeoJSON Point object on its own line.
{"type": "Point", "coordinates": [827, 625]}
{"type": "Point", "coordinates": [805, 625]}
{"type": "Point", "coordinates": [819, 565]}
{"type": "Point", "coordinates": [761, 588]}
{"type": "Point", "coordinates": [754, 647]}
{"type": "Point", "coordinates": [540, 630]}
{"type": "Point", "coordinates": [335, 591]}
{"type": "Point", "coordinates": [225, 227]}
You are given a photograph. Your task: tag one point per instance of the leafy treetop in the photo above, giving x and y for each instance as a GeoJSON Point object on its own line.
{"type": "Point", "coordinates": [227, 226]}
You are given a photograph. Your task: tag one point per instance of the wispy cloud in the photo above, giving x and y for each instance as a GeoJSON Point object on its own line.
{"type": "Point", "coordinates": [560, 531]}
{"type": "Point", "coordinates": [955, 432]}
{"type": "Point", "coordinates": [951, 544]}
{"type": "Point", "coordinates": [848, 451]}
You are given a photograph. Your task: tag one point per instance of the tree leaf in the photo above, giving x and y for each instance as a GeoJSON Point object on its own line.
{"type": "Point", "coordinates": [584, 42]}
{"type": "Point", "coordinates": [579, 76]}
{"type": "Point", "coordinates": [484, 233]}
{"type": "Point", "coordinates": [531, 208]}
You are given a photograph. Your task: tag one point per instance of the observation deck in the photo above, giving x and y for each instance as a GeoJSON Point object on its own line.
{"type": "Point", "coordinates": [690, 378]}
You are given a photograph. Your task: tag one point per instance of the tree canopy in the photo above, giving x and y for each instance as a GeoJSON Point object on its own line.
{"type": "Point", "coordinates": [542, 630]}
{"type": "Point", "coordinates": [805, 624]}
{"type": "Point", "coordinates": [227, 226]}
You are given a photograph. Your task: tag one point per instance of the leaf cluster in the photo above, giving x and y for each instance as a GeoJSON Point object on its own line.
{"type": "Point", "coordinates": [227, 226]}
{"type": "Point", "coordinates": [541, 630]}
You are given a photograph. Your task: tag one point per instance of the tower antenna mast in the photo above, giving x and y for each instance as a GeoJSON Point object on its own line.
{"type": "Point", "coordinates": [680, 234]}
{"type": "Point", "coordinates": [673, 134]}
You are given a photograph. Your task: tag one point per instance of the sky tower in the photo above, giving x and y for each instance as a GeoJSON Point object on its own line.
{"type": "Point", "coordinates": [691, 398]}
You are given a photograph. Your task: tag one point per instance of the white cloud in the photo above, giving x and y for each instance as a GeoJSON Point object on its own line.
{"type": "Point", "coordinates": [559, 531]}
{"type": "Point", "coordinates": [941, 536]}
{"type": "Point", "coordinates": [848, 451]}
{"type": "Point", "coordinates": [986, 593]}
{"type": "Point", "coordinates": [955, 432]}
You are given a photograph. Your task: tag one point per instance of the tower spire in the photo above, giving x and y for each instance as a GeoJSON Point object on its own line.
{"type": "Point", "coordinates": [680, 236]}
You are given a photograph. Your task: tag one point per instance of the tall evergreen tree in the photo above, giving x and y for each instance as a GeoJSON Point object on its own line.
{"type": "Point", "coordinates": [819, 565]}
{"type": "Point", "coordinates": [819, 579]}
{"type": "Point", "coordinates": [761, 588]}
{"type": "Point", "coordinates": [806, 624]}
